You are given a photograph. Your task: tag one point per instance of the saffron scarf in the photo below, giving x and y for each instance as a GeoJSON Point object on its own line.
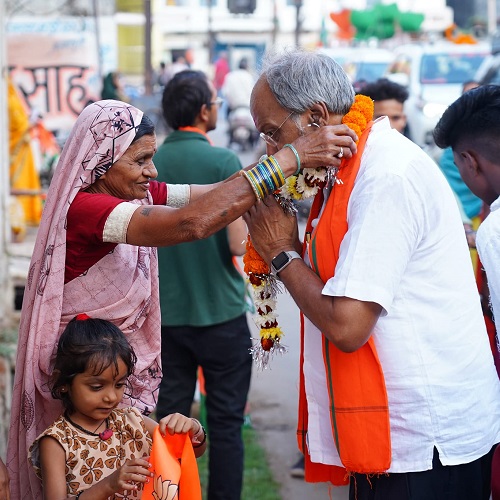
{"type": "Point", "coordinates": [356, 387]}
{"type": "Point", "coordinates": [174, 467]}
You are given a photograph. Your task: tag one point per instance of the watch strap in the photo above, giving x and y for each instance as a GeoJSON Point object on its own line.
{"type": "Point", "coordinates": [290, 254]}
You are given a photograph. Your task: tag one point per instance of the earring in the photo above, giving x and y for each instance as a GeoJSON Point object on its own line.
{"type": "Point", "coordinates": [313, 124]}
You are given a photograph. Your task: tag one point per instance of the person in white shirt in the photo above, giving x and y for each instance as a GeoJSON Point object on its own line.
{"type": "Point", "coordinates": [400, 293]}
{"type": "Point", "coordinates": [238, 85]}
{"type": "Point", "coordinates": [471, 127]}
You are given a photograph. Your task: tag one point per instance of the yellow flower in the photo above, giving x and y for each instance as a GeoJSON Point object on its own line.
{"type": "Point", "coordinates": [271, 333]}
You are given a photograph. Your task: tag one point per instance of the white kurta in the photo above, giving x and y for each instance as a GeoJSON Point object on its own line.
{"type": "Point", "coordinates": [488, 247]}
{"type": "Point", "coordinates": [405, 250]}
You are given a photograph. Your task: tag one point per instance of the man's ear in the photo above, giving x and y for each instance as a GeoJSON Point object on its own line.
{"type": "Point", "coordinates": [471, 161]}
{"type": "Point", "coordinates": [204, 114]}
{"type": "Point", "coordinates": [319, 114]}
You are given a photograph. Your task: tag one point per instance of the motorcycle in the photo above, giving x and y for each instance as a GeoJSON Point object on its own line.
{"type": "Point", "coordinates": [241, 129]}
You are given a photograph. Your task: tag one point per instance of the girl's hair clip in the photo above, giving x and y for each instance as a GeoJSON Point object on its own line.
{"type": "Point", "coordinates": [81, 317]}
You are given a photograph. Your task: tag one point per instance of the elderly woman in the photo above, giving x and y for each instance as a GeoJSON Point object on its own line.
{"type": "Point", "coordinates": [95, 251]}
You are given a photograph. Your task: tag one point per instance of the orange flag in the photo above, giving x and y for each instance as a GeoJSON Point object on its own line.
{"type": "Point", "coordinates": [174, 467]}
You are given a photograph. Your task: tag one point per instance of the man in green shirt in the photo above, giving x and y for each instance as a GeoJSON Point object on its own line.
{"type": "Point", "coordinates": [202, 294]}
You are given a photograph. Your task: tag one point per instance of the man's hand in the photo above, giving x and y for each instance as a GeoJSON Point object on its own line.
{"type": "Point", "coordinates": [271, 229]}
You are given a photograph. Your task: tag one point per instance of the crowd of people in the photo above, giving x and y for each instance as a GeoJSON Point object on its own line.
{"type": "Point", "coordinates": [132, 287]}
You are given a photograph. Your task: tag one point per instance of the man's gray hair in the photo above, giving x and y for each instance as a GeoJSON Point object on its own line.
{"type": "Point", "coordinates": [298, 79]}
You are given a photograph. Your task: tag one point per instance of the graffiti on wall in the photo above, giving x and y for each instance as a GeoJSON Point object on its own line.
{"type": "Point", "coordinates": [54, 66]}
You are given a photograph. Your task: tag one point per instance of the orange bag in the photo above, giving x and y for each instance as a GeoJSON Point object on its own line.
{"type": "Point", "coordinates": [174, 467]}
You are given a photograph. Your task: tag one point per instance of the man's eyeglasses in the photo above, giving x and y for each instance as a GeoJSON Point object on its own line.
{"type": "Point", "coordinates": [268, 138]}
{"type": "Point", "coordinates": [218, 102]}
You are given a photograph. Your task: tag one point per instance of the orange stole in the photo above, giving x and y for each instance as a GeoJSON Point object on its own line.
{"type": "Point", "coordinates": [358, 399]}
{"type": "Point", "coordinates": [174, 467]}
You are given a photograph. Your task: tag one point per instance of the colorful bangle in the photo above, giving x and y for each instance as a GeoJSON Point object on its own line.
{"type": "Point", "coordinates": [297, 157]}
{"type": "Point", "coordinates": [277, 172]}
{"type": "Point", "coordinates": [265, 178]}
{"type": "Point", "coordinates": [244, 174]}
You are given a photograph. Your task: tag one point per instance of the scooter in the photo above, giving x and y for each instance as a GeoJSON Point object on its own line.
{"type": "Point", "coordinates": [241, 129]}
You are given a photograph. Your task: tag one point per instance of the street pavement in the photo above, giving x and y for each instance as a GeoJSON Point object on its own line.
{"type": "Point", "coordinates": [273, 398]}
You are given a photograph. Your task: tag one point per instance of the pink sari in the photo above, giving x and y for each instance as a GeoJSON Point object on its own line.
{"type": "Point", "coordinates": [122, 287]}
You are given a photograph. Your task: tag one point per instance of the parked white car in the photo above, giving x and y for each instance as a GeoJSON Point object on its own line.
{"type": "Point", "coordinates": [434, 75]}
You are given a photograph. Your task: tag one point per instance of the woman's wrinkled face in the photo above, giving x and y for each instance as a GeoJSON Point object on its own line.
{"type": "Point", "coordinates": [128, 178]}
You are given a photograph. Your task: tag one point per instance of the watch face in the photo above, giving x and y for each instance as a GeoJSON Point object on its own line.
{"type": "Point", "coordinates": [280, 260]}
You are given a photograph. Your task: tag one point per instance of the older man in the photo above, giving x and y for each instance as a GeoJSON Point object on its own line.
{"type": "Point", "coordinates": [398, 385]}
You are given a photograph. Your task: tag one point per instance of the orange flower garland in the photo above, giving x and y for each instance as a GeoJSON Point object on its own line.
{"type": "Point", "coordinates": [264, 285]}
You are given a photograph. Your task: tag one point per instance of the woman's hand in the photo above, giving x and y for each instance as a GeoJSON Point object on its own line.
{"type": "Point", "coordinates": [321, 147]}
{"type": "Point", "coordinates": [271, 229]}
{"type": "Point", "coordinates": [4, 482]}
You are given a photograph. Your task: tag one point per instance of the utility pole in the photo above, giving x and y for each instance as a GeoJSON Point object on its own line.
{"type": "Point", "coordinates": [211, 36]}
{"type": "Point", "coordinates": [5, 309]}
{"type": "Point", "coordinates": [148, 70]}
{"type": "Point", "coordinates": [492, 17]}
{"type": "Point", "coordinates": [298, 22]}
{"type": "Point", "coordinates": [275, 22]}
{"type": "Point", "coordinates": [7, 296]}
{"type": "Point", "coordinates": [95, 8]}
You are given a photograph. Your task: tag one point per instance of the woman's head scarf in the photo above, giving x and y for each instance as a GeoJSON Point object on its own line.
{"type": "Point", "coordinates": [102, 133]}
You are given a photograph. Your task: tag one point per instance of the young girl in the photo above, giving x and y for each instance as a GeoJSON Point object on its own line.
{"type": "Point", "coordinates": [95, 449]}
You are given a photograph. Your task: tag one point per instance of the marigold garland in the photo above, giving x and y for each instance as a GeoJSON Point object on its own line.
{"type": "Point", "coordinates": [264, 285]}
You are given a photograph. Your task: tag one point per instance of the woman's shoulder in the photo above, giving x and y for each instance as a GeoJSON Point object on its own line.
{"type": "Point", "coordinates": [95, 206]}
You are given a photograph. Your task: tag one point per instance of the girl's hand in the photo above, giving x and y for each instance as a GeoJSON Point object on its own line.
{"type": "Point", "coordinates": [176, 423]}
{"type": "Point", "coordinates": [128, 476]}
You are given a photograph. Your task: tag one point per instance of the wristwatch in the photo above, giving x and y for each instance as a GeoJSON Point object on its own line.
{"type": "Point", "coordinates": [282, 260]}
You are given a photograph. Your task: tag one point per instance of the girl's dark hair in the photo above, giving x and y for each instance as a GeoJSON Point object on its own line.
{"type": "Point", "coordinates": [88, 343]}
{"type": "Point", "coordinates": [146, 127]}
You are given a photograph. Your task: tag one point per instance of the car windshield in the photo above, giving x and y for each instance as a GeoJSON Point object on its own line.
{"type": "Point", "coordinates": [449, 68]}
{"type": "Point", "coordinates": [371, 71]}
